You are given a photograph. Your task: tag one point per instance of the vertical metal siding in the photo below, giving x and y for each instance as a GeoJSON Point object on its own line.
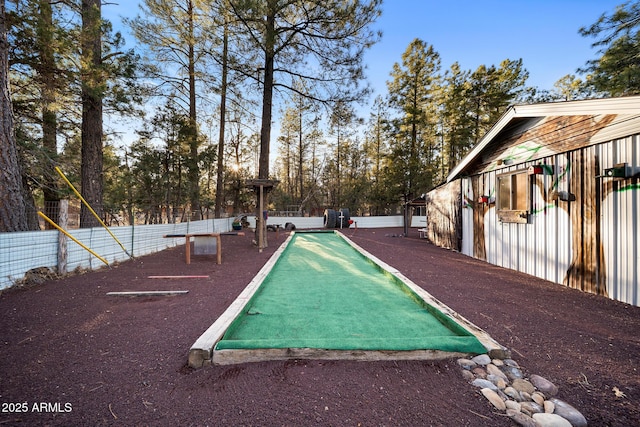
{"type": "Point", "coordinates": [545, 247]}
{"type": "Point", "coordinates": [560, 231]}
{"type": "Point", "coordinates": [620, 214]}
{"type": "Point", "coordinates": [467, 216]}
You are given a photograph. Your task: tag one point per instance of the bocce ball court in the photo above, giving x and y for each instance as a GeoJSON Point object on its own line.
{"type": "Point", "coordinates": [321, 296]}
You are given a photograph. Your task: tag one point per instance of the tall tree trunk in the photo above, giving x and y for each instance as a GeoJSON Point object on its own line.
{"type": "Point", "coordinates": [13, 216]}
{"type": "Point", "coordinates": [223, 112]}
{"type": "Point", "coordinates": [265, 131]}
{"type": "Point", "coordinates": [337, 192]}
{"type": "Point", "coordinates": [194, 172]}
{"type": "Point", "coordinates": [413, 149]}
{"type": "Point", "coordinates": [92, 93]}
{"type": "Point", "coordinates": [267, 97]}
{"type": "Point", "coordinates": [300, 155]}
{"type": "Point", "coordinates": [47, 73]}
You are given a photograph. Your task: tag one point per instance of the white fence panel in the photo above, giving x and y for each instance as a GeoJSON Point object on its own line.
{"type": "Point", "coordinates": [304, 223]}
{"type": "Point", "coordinates": [21, 252]}
{"type": "Point", "coordinates": [24, 251]}
{"type": "Point", "coordinates": [379, 221]}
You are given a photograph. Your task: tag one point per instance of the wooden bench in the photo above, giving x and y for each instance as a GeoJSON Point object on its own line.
{"type": "Point", "coordinates": [204, 244]}
{"type": "Point", "coordinates": [422, 233]}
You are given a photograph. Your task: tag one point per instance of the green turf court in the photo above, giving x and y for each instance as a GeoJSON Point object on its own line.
{"type": "Point", "coordinates": [323, 293]}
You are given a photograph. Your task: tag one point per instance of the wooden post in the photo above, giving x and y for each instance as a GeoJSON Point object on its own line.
{"type": "Point", "coordinates": [261, 217]}
{"type": "Point", "coordinates": [265, 235]}
{"type": "Point", "coordinates": [260, 185]}
{"type": "Point", "coordinates": [63, 218]}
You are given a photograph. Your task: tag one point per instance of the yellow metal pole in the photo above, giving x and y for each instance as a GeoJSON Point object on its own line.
{"type": "Point", "coordinates": [91, 209]}
{"type": "Point", "coordinates": [72, 238]}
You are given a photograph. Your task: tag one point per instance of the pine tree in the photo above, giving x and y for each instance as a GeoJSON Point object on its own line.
{"type": "Point", "coordinates": [456, 123]}
{"type": "Point", "coordinates": [316, 41]}
{"type": "Point", "coordinates": [493, 89]}
{"type": "Point", "coordinates": [239, 150]}
{"type": "Point", "coordinates": [342, 128]}
{"type": "Point", "coordinates": [224, 65]}
{"type": "Point", "coordinates": [51, 66]}
{"type": "Point", "coordinates": [13, 215]}
{"type": "Point", "coordinates": [617, 71]}
{"type": "Point", "coordinates": [571, 88]}
{"type": "Point", "coordinates": [47, 72]}
{"type": "Point", "coordinates": [414, 154]}
{"type": "Point", "coordinates": [93, 89]}
{"type": "Point", "coordinates": [158, 160]}
{"type": "Point", "coordinates": [44, 98]}
{"type": "Point", "coordinates": [176, 33]}
{"type": "Point", "coordinates": [376, 149]}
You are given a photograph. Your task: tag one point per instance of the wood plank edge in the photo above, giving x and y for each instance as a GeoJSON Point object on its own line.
{"type": "Point", "coordinates": [201, 352]}
{"type": "Point", "coordinates": [493, 347]}
{"type": "Point", "coordinates": [146, 293]}
{"type": "Point", "coordinates": [228, 357]}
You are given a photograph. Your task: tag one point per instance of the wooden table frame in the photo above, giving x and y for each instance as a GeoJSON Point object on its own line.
{"type": "Point", "coordinates": [187, 243]}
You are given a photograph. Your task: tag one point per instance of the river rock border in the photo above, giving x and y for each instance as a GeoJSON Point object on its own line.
{"type": "Point", "coordinates": [529, 402]}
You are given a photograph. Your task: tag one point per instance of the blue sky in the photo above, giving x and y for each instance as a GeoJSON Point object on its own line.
{"type": "Point", "coordinates": [544, 33]}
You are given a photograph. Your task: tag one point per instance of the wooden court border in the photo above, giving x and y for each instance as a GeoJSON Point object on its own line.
{"type": "Point", "coordinates": [203, 353]}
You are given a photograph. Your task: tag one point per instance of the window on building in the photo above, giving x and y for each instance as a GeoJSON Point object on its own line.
{"type": "Point", "coordinates": [512, 200]}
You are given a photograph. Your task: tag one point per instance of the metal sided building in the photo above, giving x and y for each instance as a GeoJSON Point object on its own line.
{"type": "Point", "coordinates": [553, 190]}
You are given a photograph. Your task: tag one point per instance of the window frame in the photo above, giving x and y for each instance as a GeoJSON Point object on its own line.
{"type": "Point", "coordinates": [516, 212]}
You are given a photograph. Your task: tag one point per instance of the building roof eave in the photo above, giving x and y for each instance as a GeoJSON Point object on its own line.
{"type": "Point", "coordinates": [623, 105]}
{"type": "Point", "coordinates": [479, 147]}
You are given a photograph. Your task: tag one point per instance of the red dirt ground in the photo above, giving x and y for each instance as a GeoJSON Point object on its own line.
{"type": "Point", "coordinates": [73, 356]}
